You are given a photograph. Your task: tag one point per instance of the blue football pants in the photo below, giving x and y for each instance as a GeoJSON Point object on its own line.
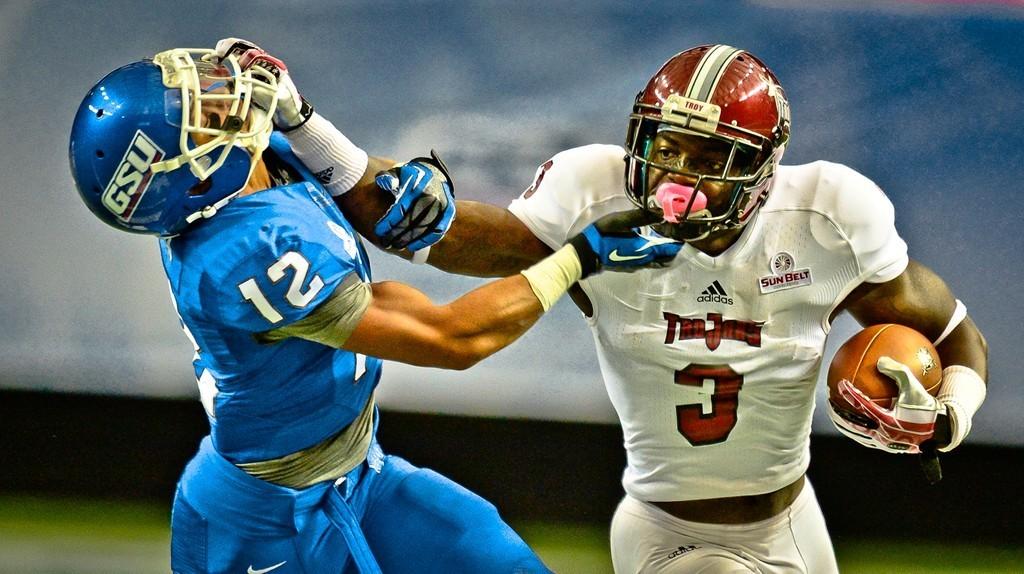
{"type": "Point", "coordinates": [386, 516]}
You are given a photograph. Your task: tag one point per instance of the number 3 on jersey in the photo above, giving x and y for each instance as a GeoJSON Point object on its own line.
{"type": "Point", "coordinates": [296, 296]}
{"type": "Point", "coordinates": [712, 419]}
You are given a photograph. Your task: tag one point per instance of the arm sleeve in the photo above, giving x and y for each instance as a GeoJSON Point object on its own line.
{"type": "Point", "coordinates": [571, 190]}
{"type": "Point", "coordinates": [335, 161]}
{"type": "Point", "coordinates": [332, 321]}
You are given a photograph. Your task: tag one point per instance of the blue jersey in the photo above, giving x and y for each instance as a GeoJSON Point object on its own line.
{"type": "Point", "coordinates": [265, 261]}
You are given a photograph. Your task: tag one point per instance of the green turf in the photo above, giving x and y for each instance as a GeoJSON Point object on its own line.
{"type": "Point", "coordinates": [71, 536]}
{"type": "Point", "coordinates": [914, 557]}
{"type": "Point", "coordinates": [569, 548]}
{"type": "Point", "coordinates": [48, 517]}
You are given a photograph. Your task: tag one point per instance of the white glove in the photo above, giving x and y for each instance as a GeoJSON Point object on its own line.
{"type": "Point", "coordinates": [902, 429]}
{"type": "Point", "coordinates": [292, 109]}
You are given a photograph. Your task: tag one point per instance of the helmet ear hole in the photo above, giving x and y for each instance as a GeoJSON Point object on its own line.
{"type": "Point", "coordinates": [201, 187]}
{"type": "Point", "coordinates": [99, 113]}
{"type": "Point", "coordinates": [100, 154]}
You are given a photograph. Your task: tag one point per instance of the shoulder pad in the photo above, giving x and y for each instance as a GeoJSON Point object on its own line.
{"type": "Point", "coordinates": [278, 268]}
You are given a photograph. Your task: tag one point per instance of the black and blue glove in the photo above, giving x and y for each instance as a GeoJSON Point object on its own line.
{"type": "Point", "coordinates": [613, 243]}
{"type": "Point", "coordinates": [424, 206]}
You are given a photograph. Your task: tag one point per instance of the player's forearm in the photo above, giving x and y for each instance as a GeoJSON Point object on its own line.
{"type": "Point", "coordinates": [486, 241]}
{"type": "Point", "coordinates": [402, 324]}
{"type": "Point", "coordinates": [364, 204]}
{"type": "Point", "coordinates": [482, 241]}
{"type": "Point", "coordinates": [964, 357]}
{"type": "Point", "coordinates": [488, 319]}
{"type": "Point", "coordinates": [965, 346]}
{"type": "Point", "coordinates": [496, 314]}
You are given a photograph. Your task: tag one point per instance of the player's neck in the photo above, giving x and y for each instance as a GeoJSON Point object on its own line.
{"type": "Point", "coordinates": [258, 181]}
{"type": "Point", "coordinates": [717, 244]}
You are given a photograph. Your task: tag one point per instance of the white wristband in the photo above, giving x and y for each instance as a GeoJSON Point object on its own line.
{"type": "Point", "coordinates": [962, 393]}
{"type": "Point", "coordinates": [333, 158]}
{"type": "Point", "coordinates": [420, 257]}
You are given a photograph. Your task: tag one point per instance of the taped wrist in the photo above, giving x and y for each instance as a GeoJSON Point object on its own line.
{"type": "Point", "coordinates": [337, 162]}
{"type": "Point", "coordinates": [552, 276]}
{"type": "Point", "coordinates": [420, 256]}
{"type": "Point", "coordinates": [962, 393]}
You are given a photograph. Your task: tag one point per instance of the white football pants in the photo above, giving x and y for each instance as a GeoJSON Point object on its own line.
{"type": "Point", "coordinates": [646, 539]}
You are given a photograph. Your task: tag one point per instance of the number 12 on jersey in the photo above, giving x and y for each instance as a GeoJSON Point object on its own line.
{"type": "Point", "coordinates": [295, 296]}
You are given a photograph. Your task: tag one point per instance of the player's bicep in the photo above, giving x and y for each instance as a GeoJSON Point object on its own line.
{"type": "Point", "coordinates": [917, 298]}
{"type": "Point", "coordinates": [331, 322]}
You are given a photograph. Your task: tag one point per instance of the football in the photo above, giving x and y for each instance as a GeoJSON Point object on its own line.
{"type": "Point", "coordinates": [855, 361]}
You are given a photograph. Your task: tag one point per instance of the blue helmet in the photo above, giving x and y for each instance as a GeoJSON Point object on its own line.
{"type": "Point", "coordinates": [160, 143]}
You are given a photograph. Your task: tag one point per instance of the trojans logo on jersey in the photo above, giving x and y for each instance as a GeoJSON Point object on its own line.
{"type": "Point", "coordinates": [713, 331]}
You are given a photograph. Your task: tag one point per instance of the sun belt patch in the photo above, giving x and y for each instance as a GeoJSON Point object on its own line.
{"type": "Point", "coordinates": [784, 275]}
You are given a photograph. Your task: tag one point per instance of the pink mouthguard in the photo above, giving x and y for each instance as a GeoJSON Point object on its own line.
{"type": "Point", "coordinates": [673, 199]}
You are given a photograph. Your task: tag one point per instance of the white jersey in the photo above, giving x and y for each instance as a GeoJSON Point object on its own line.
{"type": "Point", "coordinates": [711, 363]}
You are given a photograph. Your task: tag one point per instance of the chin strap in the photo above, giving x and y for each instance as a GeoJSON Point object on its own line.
{"type": "Point", "coordinates": [211, 210]}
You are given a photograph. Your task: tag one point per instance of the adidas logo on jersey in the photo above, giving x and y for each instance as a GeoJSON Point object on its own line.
{"type": "Point", "coordinates": [714, 293]}
{"type": "Point", "coordinates": [324, 176]}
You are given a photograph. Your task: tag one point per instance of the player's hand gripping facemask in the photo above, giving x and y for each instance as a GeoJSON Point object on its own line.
{"type": "Point", "coordinates": [292, 110]}
{"type": "Point", "coordinates": [616, 243]}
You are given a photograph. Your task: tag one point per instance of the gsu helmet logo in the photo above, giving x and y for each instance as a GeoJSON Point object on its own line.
{"type": "Point", "coordinates": [132, 176]}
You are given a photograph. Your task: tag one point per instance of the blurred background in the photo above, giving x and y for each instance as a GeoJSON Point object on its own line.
{"type": "Point", "coordinates": [98, 405]}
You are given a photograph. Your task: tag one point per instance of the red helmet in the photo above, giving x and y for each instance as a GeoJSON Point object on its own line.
{"type": "Point", "coordinates": [732, 107]}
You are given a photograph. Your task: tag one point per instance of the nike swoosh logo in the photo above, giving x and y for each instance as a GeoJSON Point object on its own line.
{"type": "Point", "coordinates": [614, 256]}
{"type": "Point", "coordinates": [420, 173]}
{"type": "Point", "coordinates": [264, 570]}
